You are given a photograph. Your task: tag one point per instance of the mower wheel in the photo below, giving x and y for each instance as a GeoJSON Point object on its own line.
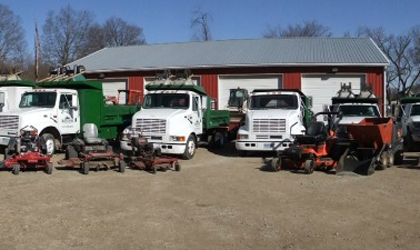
{"type": "Point", "coordinates": [121, 166]}
{"type": "Point", "coordinates": [398, 156]}
{"type": "Point", "coordinates": [276, 164]}
{"type": "Point", "coordinates": [85, 167]}
{"type": "Point", "coordinates": [177, 166]}
{"type": "Point", "coordinates": [49, 168]}
{"type": "Point", "coordinates": [154, 169]}
{"type": "Point", "coordinates": [309, 166]}
{"type": "Point", "coordinates": [384, 161]}
{"type": "Point", "coordinates": [15, 168]}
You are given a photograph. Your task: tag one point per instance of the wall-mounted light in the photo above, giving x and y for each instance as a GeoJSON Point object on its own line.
{"type": "Point", "coordinates": [334, 70]}
{"type": "Point", "coordinates": [101, 76]}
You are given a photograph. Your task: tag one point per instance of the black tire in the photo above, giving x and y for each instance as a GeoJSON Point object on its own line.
{"type": "Point", "coordinates": [154, 169]}
{"type": "Point", "coordinates": [177, 166]}
{"type": "Point", "coordinates": [49, 168]}
{"type": "Point", "coordinates": [276, 164]}
{"type": "Point", "coordinates": [15, 168]}
{"type": "Point", "coordinates": [218, 140]}
{"type": "Point", "coordinates": [85, 167]}
{"type": "Point", "coordinates": [384, 161]}
{"type": "Point", "coordinates": [121, 166]}
{"type": "Point", "coordinates": [309, 166]}
{"type": "Point", "coordinates": [398, 157]}
{"type": "Point", "coordinates": [49, 144]}
{"type": "Point", "coordinates": [7, 154]}
{"type": "Point", "coordinates": [71, 152]}
{"type": "Point", "coordinates": [190, 148]}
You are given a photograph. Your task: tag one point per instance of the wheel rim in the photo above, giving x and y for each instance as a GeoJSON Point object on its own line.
{"type": "Point", "coordinates": [49, 146]}
{"type": "Point", "coordinates": [191, 147]}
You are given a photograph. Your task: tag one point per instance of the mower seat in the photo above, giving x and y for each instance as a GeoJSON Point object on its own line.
{"type": "Point", "coordinates": [90, 134]}
{"type": "Point", "coordinates": [315, 133]}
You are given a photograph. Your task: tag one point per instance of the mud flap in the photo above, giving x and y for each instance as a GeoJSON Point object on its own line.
{"type": "Point", "coordinates": [350, 164]}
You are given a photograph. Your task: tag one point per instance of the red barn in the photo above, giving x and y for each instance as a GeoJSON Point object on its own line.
{"type": "Point", "coordinates": [317, 66]}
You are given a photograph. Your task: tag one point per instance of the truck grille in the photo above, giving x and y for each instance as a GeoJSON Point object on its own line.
{"type": "Point", "coordinates": [9, 122]}
{"type": "Point", "coordinates": [269, 125]}
{"type": "Point", "coordinates": [151, 125]}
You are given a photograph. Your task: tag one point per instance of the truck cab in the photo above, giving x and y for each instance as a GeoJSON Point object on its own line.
{"type": "Point", "coordinates": [11, 91]}
{"type": "Point", "coordinates": [176, 115]}
{"type": "Point", "coordinates": [409, 116]}
{"type": "Point", "coordinates": [272, 120]}
{"type": "Point", "coordinates": [353, 107]}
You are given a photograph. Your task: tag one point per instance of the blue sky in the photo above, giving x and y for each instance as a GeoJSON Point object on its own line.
{"type": "Point", "coordinates": [166, 21]}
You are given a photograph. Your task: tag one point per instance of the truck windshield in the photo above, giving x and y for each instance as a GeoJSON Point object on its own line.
{"type": "Point", "coordinates": [38, 99]}
{"type": "Point", "coordinates": [172, 101]}
{"type": "Point", "coordinates": [415, 110]}
{"type": "Point", "coordinates": [360, 110]}
{"type": "Point", "coordinates": [273, 102]}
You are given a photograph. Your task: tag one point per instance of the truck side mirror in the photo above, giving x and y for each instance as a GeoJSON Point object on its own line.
{"type": "Point", "coordinates": [204, 102]}
{"type": "Point", "coordinates": [75, 108]}
{"type": "Point", "coordinates": [309, 102]}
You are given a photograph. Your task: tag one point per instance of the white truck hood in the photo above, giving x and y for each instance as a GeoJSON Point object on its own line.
{"type": "Point", "coordinates": [351, 120]}
{"type": "Point", "coordinates": [26, 111]}
{"type": "Point", "coordinates": [159, 113]}
{"type": "Point", "coordinates": [271, 113]}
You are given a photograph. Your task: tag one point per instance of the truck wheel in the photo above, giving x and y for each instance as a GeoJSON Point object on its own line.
{"type": "Point", "coordinates": [309, 166]}
{"type": "Point", "coordinates": [276, 164]}
{"type": "Point", "coordinates": [15, 168]}
{"type": "Point", "coordinates": [218, 140]}
{"type": "Point", "coordinates": [49, 168]}
{"type": "Point", "coordinates": [189, 148]}
{"type": "Point", "coordinates": [49, 144]}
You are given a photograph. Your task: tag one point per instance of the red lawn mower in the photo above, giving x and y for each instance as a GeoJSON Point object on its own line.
{"type": "Point", "coordinates": [27, 152]}
{"type": "Point", "coordinates": [316, 149]}
{"type": "Point", "coordinates": [90, 152]}
{"type": "Point", "coordinates": [145, 157]}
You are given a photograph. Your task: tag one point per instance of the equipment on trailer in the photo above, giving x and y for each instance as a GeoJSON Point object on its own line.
{"type": "Point", "coordinates": [144, 156]}
{"type": "Point", "coordinates": [26, 152]}
{"type": "Point", "coordinates": [370, 147]}
{"type": "Point", "coordinates": [314, 150]}
{"type": "Point", "coordinates": [90, 151]}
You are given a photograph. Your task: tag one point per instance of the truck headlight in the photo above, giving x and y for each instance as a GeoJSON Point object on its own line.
{"type": "Point", "coordinates": [126, 134]}
{"type": "Point", "coordinates": [242, 137]}
{"type": "Point", "coordinates": [177, 138]}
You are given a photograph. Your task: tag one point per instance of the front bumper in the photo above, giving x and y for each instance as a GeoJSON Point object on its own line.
{"type": "Point", "coordinates": [165, 148]}
{"type": "Point", "coordinates": [248, 145]}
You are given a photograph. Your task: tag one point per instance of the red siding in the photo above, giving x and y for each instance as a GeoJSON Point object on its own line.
{"type": "Point", "coordinates": [292, 80]}
{"type": "Point", "coordinates": [375, 81]}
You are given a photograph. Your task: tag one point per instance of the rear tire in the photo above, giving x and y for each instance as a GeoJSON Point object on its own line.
{"type": "Point", "coordinates": [121, 166]}
{"type": "Point", "coordinates": [276, 164]}
{"type": "Point", "coordinates": [85, 167]}
{"type": "Point", "coordinates": [190, 148]}
{"type": "Point", "coordinates": [309, 166]}
{"type": "Point", "coordinates": [15, 168]}
{"type": "Point", "coordinates": [49, 168]}
{"type": "Point", "coordinates": [384, 161]}
{"type": "Point", "coordinates": [398, 156]}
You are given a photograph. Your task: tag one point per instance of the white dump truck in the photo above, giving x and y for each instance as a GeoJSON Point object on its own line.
{"type": "Point", "coordinates": [272, 119]}
{"type": "Point", "coordinates": [176, 116]}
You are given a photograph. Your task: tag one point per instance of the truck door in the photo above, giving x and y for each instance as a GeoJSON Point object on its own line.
{"type": "Point", "coordinates": [68, 113]}
{"type": "Point", "coordinates": [404, 118]}
{"type": "Point", "coordinates": [197, 114]}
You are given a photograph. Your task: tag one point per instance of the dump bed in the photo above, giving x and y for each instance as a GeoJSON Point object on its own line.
{"type": "Point", "coordinates": [372, 132]}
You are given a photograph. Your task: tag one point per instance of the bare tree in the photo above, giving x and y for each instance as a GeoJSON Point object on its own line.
{"type": "Point", "coordinates": [12, 40]}
{"type": "Point", "coordinates": [117, 32]}
{"type": "Point", "coordinates": [200, 26]}
{"type": "Point", "coordinates": [307, 29]}
{"type": "Point", "coordinates": [65, 35]}
{"type": "Point", "coordinates": [403, 53]}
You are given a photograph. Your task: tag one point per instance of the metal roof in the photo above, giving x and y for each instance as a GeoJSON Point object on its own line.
{"type": "Point", "coordinates": [238, 53]}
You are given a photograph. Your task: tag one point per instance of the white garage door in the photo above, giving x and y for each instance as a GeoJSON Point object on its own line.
{"type": "Point", "coordinates": [323, 88]}
{"type": "Point", "coordinates": [110, 89]}
{"type": "Point", "coordinates": [245, 82]}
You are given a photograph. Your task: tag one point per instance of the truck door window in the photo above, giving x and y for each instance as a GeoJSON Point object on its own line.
{"type": "Point", "coordinates": [195, 104]}
{"type": "Point", "coordinates": [65, 101]}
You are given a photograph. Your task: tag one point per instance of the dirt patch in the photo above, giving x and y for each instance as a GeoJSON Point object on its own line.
{"type": "Point", "coordinates": [217, 201]}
